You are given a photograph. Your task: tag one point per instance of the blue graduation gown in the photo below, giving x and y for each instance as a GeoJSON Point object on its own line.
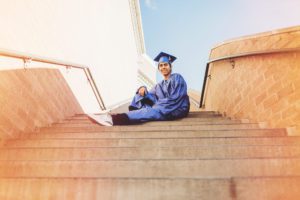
{"type": "Point", "coordinates": [170, 101]}
{"type": "Point", "coordinates": [139, 102]}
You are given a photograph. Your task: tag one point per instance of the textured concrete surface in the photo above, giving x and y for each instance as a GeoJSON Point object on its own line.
{"type": "Point", "coordinates": [234, 162]}
{"type": "Point", "coordinates": [150, 142]}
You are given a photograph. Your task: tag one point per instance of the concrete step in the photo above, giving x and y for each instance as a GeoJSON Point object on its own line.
{"type": "Point", "coordinates": [160, 134]}
{"type": "Point", "coordinates": [163, 123]}
{"type": "Point", "coordinates": [264, 188]}
{"type": "Point", "coordinates": [155, 153]}
{"type": "Point", "coordinates": [204, 112]}
{"type": "Point", "coordinates": [133, 128]}
{"type": "Point", "coordinates": [201, 115]}
{"type": "Point", "coordinates": [157, 142]}
{"type": "Point", "coordinates": [211, 119]}
{"type": "Point", "coordinates": [190, 115]}
{"type": "Point", "coordinates": [223, 168]}
{"type": "Point", "coordinates": [191, 122]}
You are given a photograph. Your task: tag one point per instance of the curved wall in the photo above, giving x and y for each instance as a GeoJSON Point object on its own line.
{"type": "Point", "coordinates": [33, 98]}
{"type": "Point", "coordinates": [261, 88]}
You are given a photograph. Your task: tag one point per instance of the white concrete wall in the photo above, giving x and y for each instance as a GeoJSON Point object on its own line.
{"type": "Point", "coordinates": [96, 33]}
{"type": "Point", "coordinates": [146, 64]}
{"type": "Point", "coordinates": [148, 67]}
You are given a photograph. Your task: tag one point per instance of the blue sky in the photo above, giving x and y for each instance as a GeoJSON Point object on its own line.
{"type": "Point", "coordinates": [189, 29]}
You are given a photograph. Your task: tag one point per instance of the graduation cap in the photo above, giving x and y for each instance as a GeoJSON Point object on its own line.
{"type": "Point", "coordinates": [164, 57]}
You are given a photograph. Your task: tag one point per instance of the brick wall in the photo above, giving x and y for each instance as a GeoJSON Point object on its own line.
{"type": "Point", "coordinates": [33, 98]}
{"type": "Point", "coordinates": [261, 88]}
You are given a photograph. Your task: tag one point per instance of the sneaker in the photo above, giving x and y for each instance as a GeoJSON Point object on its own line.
{"type": "Point", "coordinates": [103, 119]}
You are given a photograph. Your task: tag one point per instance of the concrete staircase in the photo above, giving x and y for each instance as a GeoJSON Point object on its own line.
{"type": "Point", "coordinates": [204, 156]}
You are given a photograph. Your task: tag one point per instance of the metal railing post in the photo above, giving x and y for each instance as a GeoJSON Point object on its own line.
{"type": "Point", "coordinates": [94, 88]}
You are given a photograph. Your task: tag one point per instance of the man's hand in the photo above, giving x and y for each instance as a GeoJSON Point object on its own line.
{"type": "Point", "coordinates": [142, 91]}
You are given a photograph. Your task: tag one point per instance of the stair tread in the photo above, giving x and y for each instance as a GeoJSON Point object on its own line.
{"type": "Point", "coordinates": [191, 119]}
{"type": "Point", "coordinates": [143, 153]}
{"type": "Point", "coordinates": [150, 124]}
{"type": "Point", "coordinates": [151, 128]}
{"type": "Point", "coordinates": [153, 168]}
{"type": "Point", "coordinates": [144, 188]}
{"type": "Point", "coordinates": [134, 142]}
{"type": "Point", "coordinates": [160, 134]}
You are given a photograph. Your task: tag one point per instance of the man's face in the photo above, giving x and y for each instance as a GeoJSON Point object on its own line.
{"type": "Point", "coordinates": [164, 68]}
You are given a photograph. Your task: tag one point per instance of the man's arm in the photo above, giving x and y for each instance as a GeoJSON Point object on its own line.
{"type": "Point", "coordinates": [141, 98]}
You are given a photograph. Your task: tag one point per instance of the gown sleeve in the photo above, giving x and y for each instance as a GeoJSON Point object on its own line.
{"type": "Point", "coordinates": [139, 101]}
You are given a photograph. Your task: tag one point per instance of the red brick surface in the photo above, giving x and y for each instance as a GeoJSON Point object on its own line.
{"type": "Point", "coordinates": [261, 88]}
{"type": "Point", "coordinates": [33, 98]}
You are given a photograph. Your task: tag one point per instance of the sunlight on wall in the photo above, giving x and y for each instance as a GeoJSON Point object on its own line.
{"type": "Point", "coordinates": [98, 34]}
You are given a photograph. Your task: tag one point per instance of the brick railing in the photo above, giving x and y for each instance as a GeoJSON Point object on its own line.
{"type": "Point", "coordinates": [258, 87]}
{"type": "Point", "coordinates": [33, 98]}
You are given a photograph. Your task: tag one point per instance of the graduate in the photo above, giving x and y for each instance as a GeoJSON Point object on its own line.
{"type": "Point", "coordinates": [167, 100]}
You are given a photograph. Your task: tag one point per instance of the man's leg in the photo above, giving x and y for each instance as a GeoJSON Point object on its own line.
{"type": "Point", "coordinates": [144, 115]}
{"type": "Point", "coordinates": [136, 116]}
{"type": "Point", "coordinates": [120, 119]}
{"type": "Point", "coordinates": [178, 113]}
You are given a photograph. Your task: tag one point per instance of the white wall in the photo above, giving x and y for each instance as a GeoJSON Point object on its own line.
{"type": "Point", "coordinates": [148, 67]}
{"type": "Point", "coordinates": [96, 33]}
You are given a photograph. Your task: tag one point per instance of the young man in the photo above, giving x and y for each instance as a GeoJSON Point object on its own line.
{"type": "Point", "coordinates": [167, 100]}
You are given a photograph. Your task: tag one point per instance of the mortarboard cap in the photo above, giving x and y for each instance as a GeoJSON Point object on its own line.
{"type": "Point", "coordinates": [164, 57]}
